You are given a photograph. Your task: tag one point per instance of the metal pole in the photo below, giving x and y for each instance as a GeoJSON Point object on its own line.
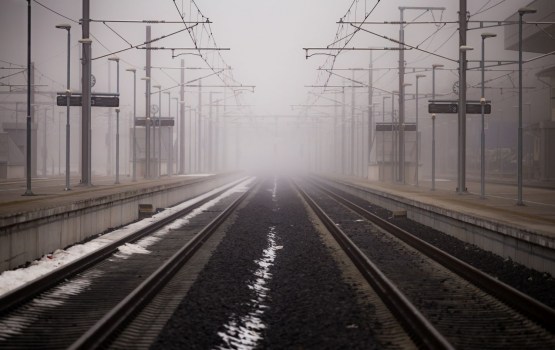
{"type": "Point", "coordinates": [199, 122]}
{"type": "Point", "coordinates": [86, 131]}
{"type": "Point", "coordinates": [147, 107]}
{"type": "Point", "coordinates": [336, 155]}
{"type": "Point", "coordinates": [352, 172]}
{"type": "Point", "coordinates": [28, 191]}
{"type": "Point", "coordinates": [182, 121]}
{"type": "Point", "coordinates": [209, 133]}
{"type": "Point", "coordinates": [44, 147]}
{"type": "Point", "coordinates": [401, 131]}
{"type": "Point", "coordinates": [383, 137]}
{"type": "Point", "coordinates": [117, 124]}
{"type": "Point", "coordinates": [68, 98]}
{"type": "Point", "coordinates": [343, 126]}
{"type": "Point", "coordinates": [418, 76]}
{"type": "Point", "coordinates": [170, 137]}
{"type": "Point", "coordinates": [60, 143]}
{"type": "Point", "coordinates": [179, 148]}
{"type": "Point", "coordinates": [519, 147]}
{"type": "Point", "coordinates": [370, 116]}
{"type": "Point", "coordinates": [159, 131]}
{"type": "Point", "coordinates": [461, 188]}
{"type": "Point", "coordinates": [434, 67]}
{"type": "Point", "coordinates": [134, 71]}
{"type": "Point", "coordinates": [68, 94]}
{"type": "Point", "coordinates": [392, 157]}
{"type": "Point", "coordinates": [483, 133]}
{"type": "Point", "coordinates": [521, 12]}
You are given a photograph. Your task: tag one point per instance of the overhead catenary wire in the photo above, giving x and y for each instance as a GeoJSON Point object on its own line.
{"type": "Point", "coordinates": [143, 43]}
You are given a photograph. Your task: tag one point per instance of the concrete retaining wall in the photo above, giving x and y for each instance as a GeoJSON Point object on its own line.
{"type": "Point", "coordinates": [533, 250]}
{"type": "Point", "coordinates": [28, 236]}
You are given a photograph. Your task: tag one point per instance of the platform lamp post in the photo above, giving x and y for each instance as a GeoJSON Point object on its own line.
{"type": "Point", "coordinates": [147, 127]}
{"type": "Point", "coordinates": [483, 126]}
{"type": "Point", "coordinates": [418, 76]}
{"type": "Point", "coordinates": [521, 12]}
{"type": "Point", "coordinates": [402, 141]}
{"type": "Point", "coordinates": [170, 137]}
{"type": "Point", "coordinates": [134, 71]}
{"type": "Point", "coordinates": [159, 87]}
{"type": "Point", "coordinates": [176, 162]}
{"type": "Point", "coordinates": [116, 59]}
{"type": "Point", "coordinates": [28, 154]}
{"type": "Point", "coordinates": [434, 67]}
{"type": "Point", "coordinates": [392, 158]}
{"type": "Point", "coordinates": [461, 178]}
{"type": "Point", "coordinates": [383, 135]}
{"type": "Point", "coordinates": [68, 98]}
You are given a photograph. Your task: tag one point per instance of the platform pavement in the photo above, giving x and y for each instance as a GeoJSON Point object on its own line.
{"type": "Point", "coordinates": [49, 192]}
{"type": "Point", "coordinates": [499, 205]}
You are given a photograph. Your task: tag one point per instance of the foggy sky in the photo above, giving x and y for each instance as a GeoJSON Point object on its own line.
{"type": "Point", "coordinates": [266, 40]}
{"type": "Point", "coordinates": [265, 37]}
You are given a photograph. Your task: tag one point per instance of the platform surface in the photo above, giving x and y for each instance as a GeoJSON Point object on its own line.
{"type": "Point", "coordinates": [537, 214]}
{"type": "Point", "coordinates": [50, 193]}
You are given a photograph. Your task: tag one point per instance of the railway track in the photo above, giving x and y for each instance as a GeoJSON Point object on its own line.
{"type": "Point", "coordinates": [428, 290]}
{"type": "Point", "coordinates": [85, 302]}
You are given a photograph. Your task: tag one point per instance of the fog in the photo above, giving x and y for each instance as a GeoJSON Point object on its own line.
{"type": "Point", "coordinates": [280, 111]}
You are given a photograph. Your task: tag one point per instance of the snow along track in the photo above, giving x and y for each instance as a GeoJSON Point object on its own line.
{"type": "Point", "coordinates": [41, 321]}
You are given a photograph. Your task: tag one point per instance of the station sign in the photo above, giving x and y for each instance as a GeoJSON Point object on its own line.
{"type": "Point", "coordinates": [96, 100]}
{"type": "Point", "coordinates": [452, 108]}
{"type": "Point", "coordinates": [395, 126]}
{"type": "Point", "coordinates": [155, 121]}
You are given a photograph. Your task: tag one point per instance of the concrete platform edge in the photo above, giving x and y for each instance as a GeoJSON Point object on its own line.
{"type": "Point", "coordinates": [532, 249]}
{"type": "Point", "coordinates": [28, 236]}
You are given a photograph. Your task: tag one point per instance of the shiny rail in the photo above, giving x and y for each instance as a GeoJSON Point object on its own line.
{"type": "Point", "coordinates": [106, 329]}
{"type": "Point", "coordinates": [530, 307]}
{"type": "Point", "coordinates": [28, 291]}
{"type": "Point", "coordinates": [419, 327]}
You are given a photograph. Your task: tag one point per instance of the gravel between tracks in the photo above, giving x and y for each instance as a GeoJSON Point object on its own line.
{"type": "Point", "coordinates": [271, 283]}
{"type": "Point", "coordinates": [539, 285]}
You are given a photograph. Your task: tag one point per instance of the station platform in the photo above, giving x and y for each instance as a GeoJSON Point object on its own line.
{"type": "Point", "coordinates": [496, 223]}
{"type": "Point", "coordinates": [49, 192]}
{"type": "Point", "coordinates": [52, 218]}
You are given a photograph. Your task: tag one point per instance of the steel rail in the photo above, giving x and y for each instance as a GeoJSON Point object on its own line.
{"type": "Point", "coordinates": [31, 289]}
{"type": "Point", "coordinates": [105, 330]}
{"type": "Point", "coordinates": [423, 332]}
{"type": "Point", "coordinates": [528, 306]}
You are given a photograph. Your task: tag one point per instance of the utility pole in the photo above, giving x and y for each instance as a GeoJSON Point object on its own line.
{"type": "Point", "coordinates": [217, 136]}
{"type": "Point", "coordinates": [461, 188]}
{"type": "Point", "coordinates": [199, 123]}
{"type": "Point", "coordinates": [209, 132]}
{"type": "Point", "coordinates": [28, 163]}
{"type": "Point", "coordinates": [401, 131]}
{"type": "Point", "coordinates": [182, 120]}
{"type": "Point", "coordinates": [370, 117]}
{"type": "Point", "coordinates": [86, 149]}
{"type": "Point", "coordinates": [147, 106]}
{"type": "Point", "coordinates": [343, 126]}
{"type": "Point", "coordinates": [352, 149]}
{"type": "Point", "coordinates": [401, 100]}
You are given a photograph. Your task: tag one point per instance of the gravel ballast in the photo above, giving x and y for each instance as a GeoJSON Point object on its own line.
{"type": "Point", "coordinates": [538, 285]}
{"type": "Point", "coordinates": [271, 283]}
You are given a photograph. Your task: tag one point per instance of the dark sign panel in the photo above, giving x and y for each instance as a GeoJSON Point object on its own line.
{"type": "Point", "coordinates": [104, 101]}
{"type": "Point", "coordinates": [476, 108]}
{"type": "Point", "coordinates": [155, 122]}
{"type": "Point", "coordinates": [394, 127]}
{"type": "Point", "coordinates": [96, 101]}
{"type": "Point", "coordinates": [443, 108]}
{"type": "Point", "coordinates": [471, 108]}
{"type": "Point", "coordinates": [61, 100]}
